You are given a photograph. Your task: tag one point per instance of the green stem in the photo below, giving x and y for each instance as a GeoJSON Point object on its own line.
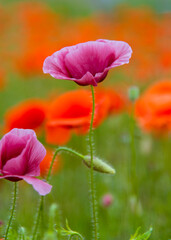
{"type": "Point", "coordinates": [38, 217]}
{"type": "Point", "coordinates": [76, 235]}
{"type": "Point", "coordinates": [58, 222]}
{"type": "Point", "coordinates": [59, 149]}
{"type": "Point", "coordinates": [40, 209]}
{"type": "Point", "coordinates": [12, 211]}
{"type": "Point", "coordinates": [92, 183]}
{"type": "Point", "coordinates": [133, 154]}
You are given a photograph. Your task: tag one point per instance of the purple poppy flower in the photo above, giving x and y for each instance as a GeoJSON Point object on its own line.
{"type": "Point", "coordinates": [20, 157]}
{"type": "Point", "coordinates": [87, 63]}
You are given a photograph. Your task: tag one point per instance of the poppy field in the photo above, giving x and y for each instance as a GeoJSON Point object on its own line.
{"type": "Point", "coordinates": [85, 120]}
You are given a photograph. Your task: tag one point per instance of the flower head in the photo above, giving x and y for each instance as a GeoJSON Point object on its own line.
{"type": "Point", "coordinates": [29, 114]}
{"type": "Point", "coordinates": [20, 157]}
{"type": "Point", "coordinates": [87, 63]}
{"type": "Point", "coordinates": [71, 112]}
{"type": "Point", "coordinates": [153, 108]}
{"type": "Point", "coordinates": [117, 100]}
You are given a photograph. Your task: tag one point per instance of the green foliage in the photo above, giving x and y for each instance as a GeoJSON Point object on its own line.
{"type": "Point", "coordinates": [143, 236]}
{"type": "Point", "coordinates": [68, 232]}
{"type": "Point", "coordinates": [22, 234]}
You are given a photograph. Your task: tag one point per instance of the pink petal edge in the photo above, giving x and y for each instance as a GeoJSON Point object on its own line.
{"type": "Point", "coordinates": [40, 186]}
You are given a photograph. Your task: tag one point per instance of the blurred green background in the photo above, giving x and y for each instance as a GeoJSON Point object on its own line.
{"type": "Point", "coordinates": [112, 139]}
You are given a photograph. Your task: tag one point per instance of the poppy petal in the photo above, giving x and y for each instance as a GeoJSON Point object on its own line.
{"type": "Point", "coordinates": [40, 186]}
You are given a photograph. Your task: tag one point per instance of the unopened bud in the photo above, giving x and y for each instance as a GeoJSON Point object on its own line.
{"type": "Point", "coordinates": [133, 93]}
{"type": "Point", "coordinates": [107, 200]}
{"type": "Point", "coordinates": [98, 165]}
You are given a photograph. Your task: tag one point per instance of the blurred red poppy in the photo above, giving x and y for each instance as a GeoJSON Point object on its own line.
{"type": "Point", "coordinates": [2, 78]}
{"type": "Point", "coordinates": [29, 114]}
{"type": "Point", "coordinates": [117, 101]}
{"type": "Point", "coordinates": [37, 30]}
{"type": "Point", "coordinates": [72, 112]}
{"type": "Point", "coordinates": [153, 108]}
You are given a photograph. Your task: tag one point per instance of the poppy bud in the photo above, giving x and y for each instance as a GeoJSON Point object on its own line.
{"type": "Point", "coordinates": [133, 93]}
{"type": "Point", "coordinates": [98, 165]}
{"type": "Point", "coordinates": [107, 200]}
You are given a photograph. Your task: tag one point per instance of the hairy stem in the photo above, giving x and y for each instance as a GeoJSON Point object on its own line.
{"type": "Point", "coordinates": [59, 149]}
{"type": "Point", "coordinates": [12, 210]}
{"type": "Point", "coordinates": [40, 208]}
{"type": "Point", "coordinates": [92, 183]}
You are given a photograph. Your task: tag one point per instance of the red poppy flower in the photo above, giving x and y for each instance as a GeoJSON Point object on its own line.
{"type": "Point", "coordinates": [153, 108]}
{"type": "Point", "coordinates": [28, 115]}
{"type": "Point", "coordinates": [117, 101]}
{"type": "Point", "coordinates": [72, 112]}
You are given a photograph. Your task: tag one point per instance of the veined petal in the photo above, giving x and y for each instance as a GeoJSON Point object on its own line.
{"type": "Point", "coordinates": [40, 186]}
{"type": "Point", "coordinates": [87, 63]}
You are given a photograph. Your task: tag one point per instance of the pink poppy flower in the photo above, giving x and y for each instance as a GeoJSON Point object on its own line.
{"type": "Point", "coordinates": [87, 63]}
{"type": "Point", "coordinates": [20, 157]}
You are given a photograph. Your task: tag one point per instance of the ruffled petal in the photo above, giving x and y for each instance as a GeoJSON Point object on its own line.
{"type": "Point", "coordinates": [40, 186]}
{"type": "Point", "coordinates": [21, 153]}
{"type": "Point", "coordinates": [93, 57]}
{"type": "Point", "coordinates": [56, 134]}
{"type": "Point", "coordinates": [55, 65]}
{"type": "Point", "coordinates": [17, 165]}
{"type": "Point", "coordinates": [35, 154]}
{"type": "Point", "coordinates": [121, 50]}
{"type": "Point", "coordinates": [87, 79]}
{"type": "Point", "coordinates": [87, 63]}
{"type": "Point", "coordinates": [12, 146]}
{"type": "Point", "coordinates": [22, 132]}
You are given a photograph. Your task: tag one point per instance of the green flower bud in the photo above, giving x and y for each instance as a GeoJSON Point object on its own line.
{"type": "Point", "coordinates": [133, 93]}
{"type": "Point", "coordinates": [98, 165]}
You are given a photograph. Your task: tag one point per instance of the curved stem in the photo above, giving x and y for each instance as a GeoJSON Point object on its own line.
{"type": "Point", "coordinates": [12, 210]}
{"type": "Point", "coordinates": [92, 183]}
{"type": "Point", "coordinates": [40, 209]}
{"type": "Point", "coordinates": [59, 149]}
{"type": "Point", "coordinates": [76, 234]}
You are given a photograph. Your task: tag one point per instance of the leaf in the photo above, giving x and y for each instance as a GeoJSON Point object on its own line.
{"type": "Point", "coordinates": [67, 225]}
{"type": "Point", "coordinates": [143, 236]}
{"type": "Point", "coordinates": [68, 231]}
